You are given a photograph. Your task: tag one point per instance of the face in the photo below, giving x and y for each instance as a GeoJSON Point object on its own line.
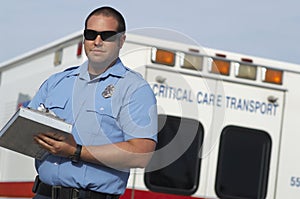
{"type": "Point", "coordinates": [102, 54]}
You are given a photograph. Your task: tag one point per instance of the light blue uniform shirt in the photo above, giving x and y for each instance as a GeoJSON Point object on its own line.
{"type": "Point", "coordinates": [98, 118]}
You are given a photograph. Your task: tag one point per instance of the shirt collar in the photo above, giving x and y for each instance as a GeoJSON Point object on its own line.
{"type": "Point", "coordinates": [118, 69]}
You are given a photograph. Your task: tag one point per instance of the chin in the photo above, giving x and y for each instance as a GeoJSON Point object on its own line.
{"type": "Point", "coordinates": [96, 59]}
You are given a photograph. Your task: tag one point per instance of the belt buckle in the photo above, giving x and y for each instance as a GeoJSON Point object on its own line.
{"type": "Point", "coordinates": [56, 191]}
{"type": "Point", "coordinates": [75, 193]}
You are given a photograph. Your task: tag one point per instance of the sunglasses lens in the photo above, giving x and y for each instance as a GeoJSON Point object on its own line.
{"type": "Point", "coordinates": [90, 34]}
{"type": "Point", "coordinates": [109, 35]}
{"type": "Point", "coordinates": [105, 35]}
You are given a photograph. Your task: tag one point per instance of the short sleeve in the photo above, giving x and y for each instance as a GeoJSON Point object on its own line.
{"type": "Point", "coordinates": [138, 115]}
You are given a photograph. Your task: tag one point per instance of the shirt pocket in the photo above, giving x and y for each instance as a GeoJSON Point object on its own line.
{"type": "Point", "coordinates": [108, 128]}
{"type": "Point", "coordinates": [56, 102]}
{"type": "Point", "coordinates": [58, 106]}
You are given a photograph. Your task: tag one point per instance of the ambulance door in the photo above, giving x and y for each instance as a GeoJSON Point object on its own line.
{"type": "Point", "coordinates": [245, 157]}
{"type": "Point", "coordinates": [186, 114]}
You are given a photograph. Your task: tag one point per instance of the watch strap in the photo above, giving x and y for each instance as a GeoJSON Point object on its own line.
{"type": "Point", "coordinates": [76, 157]}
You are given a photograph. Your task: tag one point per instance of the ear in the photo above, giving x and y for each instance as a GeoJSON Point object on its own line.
{"type": "Point", "coordinates": [122, 40]}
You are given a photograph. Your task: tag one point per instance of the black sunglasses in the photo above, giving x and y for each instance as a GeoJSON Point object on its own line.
{"type": "Point", "coordinates": [105, 35]}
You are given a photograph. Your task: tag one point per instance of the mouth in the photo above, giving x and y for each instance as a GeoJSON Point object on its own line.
{"type": "Point", "coordinates": [97, 51]}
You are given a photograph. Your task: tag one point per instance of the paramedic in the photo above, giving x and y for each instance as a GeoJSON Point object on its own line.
{"type": "Point", "coordinates": [113, 114]}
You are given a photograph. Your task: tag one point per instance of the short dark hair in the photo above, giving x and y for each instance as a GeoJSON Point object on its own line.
{"type": "Point", "coordinates": [109, 12]}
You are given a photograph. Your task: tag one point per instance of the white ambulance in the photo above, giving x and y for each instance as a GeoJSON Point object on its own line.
{"type": "Point", "coordinates": [227, 122]}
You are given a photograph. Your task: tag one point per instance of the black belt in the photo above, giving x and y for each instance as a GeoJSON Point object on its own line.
{"type": "Point", "coordinates": [60, 192]}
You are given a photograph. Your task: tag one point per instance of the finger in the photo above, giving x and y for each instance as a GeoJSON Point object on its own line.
{"type": "Point", "coordinates": [44, 141]}
{"type": "Point", "coordinates": [46, 144]}
{"type": "Point", "coordinates": [55, 136]}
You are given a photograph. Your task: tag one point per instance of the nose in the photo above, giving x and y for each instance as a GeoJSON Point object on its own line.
{"type": "Point", "coordinates": [98, 41]}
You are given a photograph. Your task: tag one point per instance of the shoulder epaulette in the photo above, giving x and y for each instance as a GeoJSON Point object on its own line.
{"type": "Point", "coordinates": [71, 68]}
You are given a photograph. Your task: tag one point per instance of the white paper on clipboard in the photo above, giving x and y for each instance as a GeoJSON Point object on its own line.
{"type": "Point", "coordinates": [17, 134]}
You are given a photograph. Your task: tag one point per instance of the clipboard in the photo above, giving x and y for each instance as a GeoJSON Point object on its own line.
{"type": "Point", "coordinates": [17, 134]}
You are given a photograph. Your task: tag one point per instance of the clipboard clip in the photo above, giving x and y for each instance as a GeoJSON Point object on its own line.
{"type": "Point", "coordinates": [43, 109]}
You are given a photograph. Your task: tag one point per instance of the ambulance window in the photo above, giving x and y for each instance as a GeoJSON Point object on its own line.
{"type": "Point", "coordinates": [191, 62]}
{"type": "Point", "coordinates": [181, 138]}
{"type": "Point", "coordinates": [245, 71]}
{"type": "Point", "coordinates": [243, 163]}
{"type": "Point", "coordinates": [58, 57]}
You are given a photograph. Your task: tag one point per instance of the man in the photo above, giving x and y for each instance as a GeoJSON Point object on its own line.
{"type": "Point", "coordinates": [113, 113]}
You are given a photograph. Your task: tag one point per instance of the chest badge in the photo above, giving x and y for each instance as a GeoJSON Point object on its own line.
{"type": "Point", "coordinates": [108, 91]}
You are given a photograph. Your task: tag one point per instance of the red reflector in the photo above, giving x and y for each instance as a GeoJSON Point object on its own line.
{"type": "Point", "coordinates": [220, 55]}
{"type": "Point", "coordinates": [79, 49]}
{"type": "Point", "coordinates": [247, 60]}
{"type": "Point", "coordinates": [194, 50]}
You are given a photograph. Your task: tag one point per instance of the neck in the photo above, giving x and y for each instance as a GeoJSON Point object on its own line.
{"type": "Point", "coordinates": [97, 69]}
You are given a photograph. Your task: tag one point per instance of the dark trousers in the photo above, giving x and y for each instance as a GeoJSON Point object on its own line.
{"type": "Point", "coordinates": [37, 196]}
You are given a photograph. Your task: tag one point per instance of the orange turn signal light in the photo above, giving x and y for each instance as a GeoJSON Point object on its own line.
{"type": "Point", "coordinates": [220, 67]}
{"type": "Point", "coordinates": [163, 57]}
{"type": "Point", "coordinates": [272, 76]}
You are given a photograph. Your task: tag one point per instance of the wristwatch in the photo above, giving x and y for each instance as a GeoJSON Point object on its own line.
{"type": "Point", "coordinates": [76, 156]}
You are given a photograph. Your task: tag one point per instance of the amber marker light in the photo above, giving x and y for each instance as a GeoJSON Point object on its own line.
{"type": "Point", "coordinates": [161, 56]}
{"type": "Point", "coordinates": [272, 76]}
{"type": "Point", "coordinates": [219, 66]}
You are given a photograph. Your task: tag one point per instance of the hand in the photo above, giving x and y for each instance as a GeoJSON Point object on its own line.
{"type": "Point", "coordinates": [57, 143]}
